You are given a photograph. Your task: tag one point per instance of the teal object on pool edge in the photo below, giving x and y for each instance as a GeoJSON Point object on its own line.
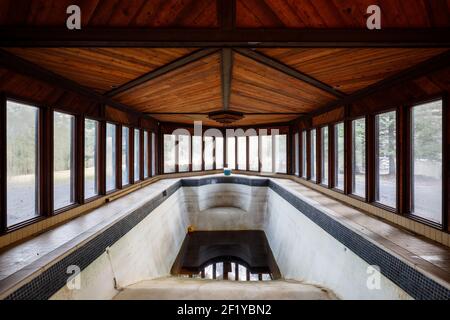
{"type": "Point", "coordinates": [227, 172]}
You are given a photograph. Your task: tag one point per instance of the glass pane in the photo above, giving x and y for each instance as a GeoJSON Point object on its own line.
{"type": "Point", "coordinates": [90, 158]}
{"type": "Point", "coordinates": [324, 149]}
{"type": "Point", "coordinates": [169, 153]}
{"type": "Point", "coordinates": [231, 152]}
{"type": "Point", "coordinates": [359, 157]}
{"type": "Point", "coordinates": [137, 155]}
{"type": "Point", "coordinates": [280, 153]}
{"type": "Point", "coordinates": [209, 149]}
{"type": "Point", "coordinates": [184, 147]}
{"type": "Point", "coordinates": [110, 157]}
{"type": "Point", "coordinates": [219, 152]}
{"type": "Point", "coordinates": [253, 153]}
{"type": "Point", "coordinates": [266, 153]}
{"type": "Point", "coordinates": [339, 156]}
{"type": "Point", "coordinates": [125, 156]}
{"type": "Point", "coordinates": [197, 155]}
{"type": "Point", "coordinates": [313, 155]}
{"type": "Point", "coordinates": [63, 160]}
{"type": "Point", "coordinates": [297, 155]}
{"type": "Point", "coordinates": [145, 154]}
{"type": "Point", "coordinates": [427, 146]}
{"type": "Point", "coordinates": [153, 154]}
{"type": "Point", "coordinates": [22, 162]}
{"type": "Point", "coordinates": [386, 159]}
{"type": "Point", "coordinates": [304, 156]}
{"type": "Point", "coordinates": [242, 153]}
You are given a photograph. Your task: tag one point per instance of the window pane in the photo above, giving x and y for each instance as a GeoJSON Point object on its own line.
{"type": "Point", "coordinates": [324, 149]}
{"type": "Point", "coordinates": [137, 154]}
{"type": "Point", "coordinates": [339, 156]}
{"type": "Point", "coordinates": [184, 147]}
{"type": "Point", "coordinates": [266, 153]}
{"type": "Point", "coordinates": [313, 155]}
{"type": "Point", "coordinates": [169, 153]}
{"type": "Point", "coordinates": [22, 162]}
{"type": "Point", "coordinates": [153, 154]}
{"type": "Point", "coordinates": [253, 153]}
{"type": "Point", "coordinates": [125, 156]}
{"type": "Point", "coordinates": [219, 152]}
{"type": "Point", "coordinates": [359, 157]}
{"type": "Point", "coordinates": [297, 155]}
{"type": "Point", "coordinates": [427, 132]}
{"type": "Point", "coordinates": [280, 153]}
{"type": "Point", "coordinates": [145, 154]}
{"type": "Point", "coordinates": [231, 152]}
{"type": "Point", "coordinates": [110, 157]}
{"type": "Point", "coordinates": [385, 159]}
{"type": "Point", "coordinates": [209, 149]}
{"type": "Point", "coordinates": [63, 160]}
{"type": "Point", "coordinates": [90, 158]}
{"type": "Point", "coordinates": [197, 155]}
{"type": "Point", "coordinates": [242, 153]}
{"type": "Point", "coordinates": [304, 156]}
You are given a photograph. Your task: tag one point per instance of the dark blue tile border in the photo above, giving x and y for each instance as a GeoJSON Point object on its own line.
{"type": "Point", "coordinates": [416, 284]}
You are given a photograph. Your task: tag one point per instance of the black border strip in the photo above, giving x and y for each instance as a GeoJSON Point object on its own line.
{"type": "Point", "coordinates": [416, 284]}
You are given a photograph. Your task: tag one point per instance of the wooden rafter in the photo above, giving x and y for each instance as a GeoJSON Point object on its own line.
{"type": "Point", "coordinates": [226, 76]}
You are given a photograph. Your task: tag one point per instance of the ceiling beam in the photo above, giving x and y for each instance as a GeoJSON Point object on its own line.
{"type": "Point", "coordinates": [245, 113]}
{"type": "Point", "coordinates": [226, 13]}
{"type": "Point", "coordinates": [226, 73]}
{"type": "Point", "coordinates": [199, 54]}
{"type": "Point", "coordinates": [275, 64]}
{"type": "Point", "coordinates": [250, 38]}
{"type": "Point", "coordinates": [431, 65]}
{"type": "Point", "coordinates": [24, 67]}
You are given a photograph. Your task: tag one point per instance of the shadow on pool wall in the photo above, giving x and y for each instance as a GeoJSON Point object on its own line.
{"type": "Point", "coordinates": [303, 251]}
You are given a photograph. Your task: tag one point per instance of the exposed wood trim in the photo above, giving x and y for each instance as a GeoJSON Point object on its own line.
{"type": "Point", "coordinates": [438, 62]}
{"type": "Point", "coordinates": [197, 55]}
{"type": "Point", "coordinates": [27, 68]}
{"type": "Point", "coordinates": [195, 37]}
{"type": "Point", "coordinates": [226, 76]}
{"type": "Point", "coordinates": [245, 113]}
{"type": "Point", "coordinates": [284, 68]}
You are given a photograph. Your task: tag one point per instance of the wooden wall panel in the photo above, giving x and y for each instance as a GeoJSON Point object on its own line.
{"type": "Point", "coordinates": [353, 69]}
{"type": "Point", "coordinates": [101, 69]}
{"type": "Point", "coordinates": [335, 115]}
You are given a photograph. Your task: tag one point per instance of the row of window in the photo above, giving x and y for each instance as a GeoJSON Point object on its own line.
{"type": "Point", "coordinates": [425, 158]}
{"type": "Point", "coordinates": [265, 153]}
{"type": "Point", "coordinates": [23, 150]}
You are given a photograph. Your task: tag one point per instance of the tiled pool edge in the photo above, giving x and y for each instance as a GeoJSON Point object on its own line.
{"type": "Point", "coordinates": [416, 284]}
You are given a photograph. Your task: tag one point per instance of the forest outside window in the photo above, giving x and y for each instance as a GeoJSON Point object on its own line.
{"type": "Point", "coordinates": [242, 153]}
{"type": "Point", "coordinates": [137, 153]}
{"type": "Point", "coordinates": [339, 165]}
{"type": "Point", "coordinates": [111, 156]}
{"type": "Point", "coordinates": [125, 156]}
{"type": "Point", "coordinates": [90, 158]}
{"type": "Point", "coordinates": [296, 157]}
{"type": "Point", "coordinates": [253, 153]}
{"type": "Point", "coordinates": [184, 152]}
{"type": "Point", "coordinates": [313, 158]}
{"type": "Point", "coordinates": [169, 153]}
{"type": "Point", "coordinates": [280, 151]}
{"type": "Point", "coordinates": [304, 156]}
{"type": "Point", "coordinates": [219, 152]}
{"type": "Point", "coordinates": [359, 157]}
{"type": "Point", "coordinates": [197, 153]}
{"type": "Point", "coordinates": [146, 157]}
{"type": "Point", "coordinates": [22, 153]}
{"type": "Point", "coordinates": [231, 152]}
{"type": "Point", "coordinates": [209, 153]}
{"type": "Point", "coordinates": [324, 152]}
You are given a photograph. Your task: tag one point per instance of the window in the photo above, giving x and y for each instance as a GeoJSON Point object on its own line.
{"type": "Point", "coordinates": [313, 155]}
{"type": "Point", "coordinates": [110, 157]}
{"type": "Point", "coordinates": [324, 151]}
{"type": "Point", "coordinates": [146, 158]}
{"type": "Point", "coordinates": [184, 147]}
{"type": "Point", "coordinates": [231, 152]}
{"type": "Point", "coordinates": [297, 155]}
{"type": "Point", "coordinates": [90, 158]}
{"type": "Point", "coordinates": [304, 156]}
{"type": "Point", "coordinates": [359, 157]}
{"type": "Point", "coordinates": [197, 155]}
{"type": "Point", "coordinates": [169, 153]}
{"type": "Point", "coordinates": [209, 153]}
{"type": "Point", "coordinates": [339, 165]}
{"type": "Point", "coordinates": [253, 153]}
{"type": "Point", "coordinates": [385, 159]}
{"type": "Point", "coordinates": [153, 154]}
{"type": "Point", "coordinates": [426, 164]}
{"type": "Point", "coordinates": [137, 155]}
{"type": "Point", "coordinates": [280, 153]}
{"type": "Point", "coordinates": [219, 152]}
{"type": "Point", "coordinates": [22, 191]}
{"type": "Point", "coordinates": [63, 160]}
{"type": "Point", "coordinates": [242, 153]}
{"type": "Point", "coordinates": [266, 153]}
{"type": "Point", "coordinates": [125, 156]}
